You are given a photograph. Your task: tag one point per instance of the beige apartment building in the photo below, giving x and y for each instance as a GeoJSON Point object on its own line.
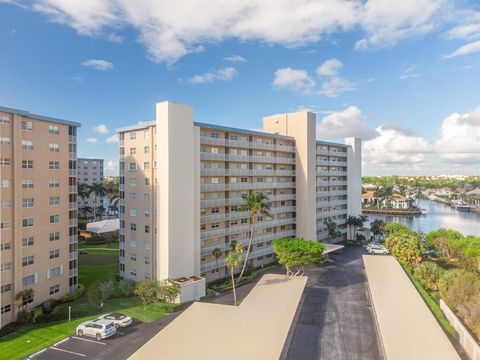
{"type": "Point", "coordinates": [90, 170]}
{"type": "Point", "coordinates": [38, 208]}
{"type": "Point", "coordinates": [181, 187]}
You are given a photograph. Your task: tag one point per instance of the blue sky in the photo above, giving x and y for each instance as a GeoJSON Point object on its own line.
{"type": "Point", "coordinates": [404, 75]}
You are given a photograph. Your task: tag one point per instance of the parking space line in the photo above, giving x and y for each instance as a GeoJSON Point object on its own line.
{"type": "Point", "coordinates": [121, 333]}
{"type": "Point", "coordinates": [37, 353]}
{"type": "Point", "coordinates": [67, 351]}
{"type": "Point", "coordinates": [93, 341]}
{"type": "Point", "coordinates": [61, 341]}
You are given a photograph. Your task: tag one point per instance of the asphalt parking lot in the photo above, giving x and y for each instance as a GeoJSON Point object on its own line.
{"type": "Point", "coordinates": [117, 347]}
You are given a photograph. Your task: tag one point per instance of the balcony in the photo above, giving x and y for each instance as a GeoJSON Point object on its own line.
{"type": "Point", "coordinates": [212, 187]}
{"type": "Point", "coordinates": [338, 173]}
{"type": "Point", "coordinates": [338, 182]}
{"type": "Point", "coordinates": [73, 222]}
{"type": "Point", "coordinates": [72, 188]}
{"type": "Point", "coordinates": [323, 172]}
{"type": "Point", "coordinates": [232, 157]}
{"type": "Point", "coordinates": [72, 156]}
{"type": "Point", "coordinates": [72, 172]}
{"type": "Point", "coordinates": [323, 162]}
{"type": "Point", "coordinates": [72, 205]}
{"type": "Point", "coordinates": [289, 172]}
{"type": "Point", "coordinates": [73, 256]}
{"type": "Point", "coordinates": [212, 156]}
{"type": "Point", "coordinates": [73, 272]}
{"type": "Point", "coordinates": [221, 263]}
{"type": "Point", "coordinates": [212, 141]}
{"type": "Point", "coordinates": [337, 153]}
{"type": "Point", "coordinates": [72, 139]}
{"type": "Point", "coordinates": [338, 202]}
{"type": "Point", "coordinates": [263, 172]}
{"type": "Point", "coordinates": [238, 143]}
{"type": "Point", "coordinates": [72, 239]}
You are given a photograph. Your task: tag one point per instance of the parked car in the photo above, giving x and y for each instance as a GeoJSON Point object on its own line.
{"type": "Point", "coordinates": [119, 319]}
{"type": "Point", "coordinates": [100, 329]}
{"type": "Point", "coordinates": [377, 249]}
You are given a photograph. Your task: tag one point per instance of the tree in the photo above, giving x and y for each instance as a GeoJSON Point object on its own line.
{"type": "Point", "coordinates": [296, 253]}
{"type": "Point", "coordinates": [332, 229]}
{"type": "Point", "coordinates": [376, 227]}
{"type": "Point", "coordinates": [106, 289]}
{"type": "Point", "coordinates": [98, 190]}
{"type": "Point", "coordinates": [168, 291]}
{"type": "Point", "coordinates": [101, 210]}
{"type": "Point", "coordinates": [87, 210]}
{"type": "Point", "coordinates": [233, 259]}
{"type": "Point", "coordinates": [406, 247]}
{"type": "Point", "coordinates": [256, 205]}
{"type": "Point", "coordinates": [127, 286]}
{"type": "Point", "coordinates": [147, 290]}
{"type": "Point", "coordinates": [112, 189]}
{"type": "Point", "coordinates": [22, 297]}
{"type": "Point", "coordinates": [217, 253]}
{"type": "Point", "coordinates": [428, 274]}
{"type": "Point", "coordinates": [83, 191]}
{"type": "Point", "coordinates": [351, 223]}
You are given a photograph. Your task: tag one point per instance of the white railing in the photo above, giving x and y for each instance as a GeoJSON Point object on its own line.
{"type": "Point", "coordinates": [72, 139]}
{"type": "Point", "coordinates": [338, 173]}
{"type": "Point", "coordinates": [323, 172]}
{"type": "Point", "coordinates": [338, 153]}
{"type": "Point", "coordinates": [72, 155]}
{"type": "Point", "coordinates": [322, 151]}
{"type": "Point", "coordinates": [72, 239]}
{"type": "Point", "coordinates": [72, 205]}
{"type": "Point", "coordinates": [233, 157]}
{"type": "Point", "coordinates": [212, 187]}
{"type": "Point", "coordinates": [338, 202]}
{"type": "Point", "coordinates": [73, 272]}
{"type": "Point", "coordinates": [263, 172]}
{"type": "Point", "coordinates": [243, 228]}
{"type": "Point", "coordinates": [72, 222]}
{"type": "Point", "coordinates": [212, 140]}
{"type": "Point", "coordinates": [322, 162]}
{"type": "Point", "coordinates": [338, 182]}
{"type": "Point", "coordinates": [73, 256]}
{"type": "Point", "coordinates": [290, 172]}
{"type": "Point", "coordinates": [212, 156]}
{"type": "Point", "coordinates": [72, 188]}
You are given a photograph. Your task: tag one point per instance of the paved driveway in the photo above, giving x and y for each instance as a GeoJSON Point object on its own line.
{"type": "Point", "coordinates": [336, 320]}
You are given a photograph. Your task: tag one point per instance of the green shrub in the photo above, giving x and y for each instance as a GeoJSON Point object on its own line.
{"type": "Point", "coordinates": [445, 280]}
{"type": "Point", "coordinates": [168, 291]}
{"type": "Point", "coordinates": [73, 295]}
{"type": "Point", "coordinates": [428, 274]}
{"type": "Point", "coordinates": [47, 307]}
{"type": "Point", "coordinates": [127, 286]}
{"type": "Point", "coordinates": [24, 317]}
{"type": "Point", "coordinates": [297, 252]}
{"type": "Point", "coordinates": [407, 248]}
{"type": "Point", "coordinates": [462, 289]}
{"type": "Point", "coordinates": [106, 289]}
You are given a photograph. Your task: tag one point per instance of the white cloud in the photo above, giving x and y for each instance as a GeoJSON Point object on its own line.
{"type": "Point", "coordinates": [98, 64]}
{"type": "Point", "coordinates": [77, 78]}
{"type": "Point", "coordinates": [329, 68]}
{"type": "Point", "coordinates": [468, 29]}
{"type": "Point", "coordinates": [101, 129]}
{"type": "Point", "coordinates": [410, 71]}
{"type": "Point", "coordinates": [223, 74]}
{"type": "Point", "coordinates": [460, 137]}
{"type": "Point", "coordinates": [235, 58]}
{"type": "Point", "coordinates": [349, 122]}
{"type": "Point", "coordinates": [296, 80]}
{"type": "Point", "coordinates": [112, 139]}
{"type": "Point", "coordinates": [387, 22]}
{"type": "Point", "coordinates": [111, 167]}
{"type": "Point", "coordinates": [335, 86]}
{"type": "Point", "coordinates": [171, 29]}
{"type": "Point", "coordinates": [470, 48]}
{"type": "Point", "coordinates": [92, 140]}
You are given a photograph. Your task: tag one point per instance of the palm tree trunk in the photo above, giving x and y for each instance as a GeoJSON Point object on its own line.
{"type": "Point", "coordinates": [233, 286]}
{"type": "Point", "coordinates": [248, 248]}
{"type": "Point", "coordinates": [218, 269]}
{"type": "Point", "coordinates": [94, 206]}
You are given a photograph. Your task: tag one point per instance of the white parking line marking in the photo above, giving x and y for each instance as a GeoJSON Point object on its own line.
{"type": "Point", "coordinates": [37, 353]}
{"type": "Point", "coordinates": [61, 341]}
{"type": "Point", "coordinates": [121, 333]}
{"type": "Point", "coordinates": [67, 351]}
{"type": "Point", "coordinates": [93, 341]}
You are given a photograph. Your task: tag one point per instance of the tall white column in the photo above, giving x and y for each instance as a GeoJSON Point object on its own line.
{"type": "Point", "coordinates": [354, 176]}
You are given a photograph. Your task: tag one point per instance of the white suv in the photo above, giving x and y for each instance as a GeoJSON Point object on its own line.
{"type": "Point", "coordinates": [100, 329]}
{"type": "Point", "coordinates": [377, 249]}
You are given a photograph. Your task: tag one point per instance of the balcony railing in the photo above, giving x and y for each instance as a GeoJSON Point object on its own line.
{"type": "Point", "coordinates": [72, 205]}
{"type": "Point", "coordinates": [73, 222]}
{"type": "Point", "coordinates": [72, 239]}
{"type": "Point", "coordinates": [73, 256]}
{"type": "Point", "coordinates": [243, 228]}
{"type": "Point", "coordinates": [72, 188]}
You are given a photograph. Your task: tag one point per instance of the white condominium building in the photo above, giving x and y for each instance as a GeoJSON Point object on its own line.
{"type": "Point", "coordinates": [89, 171]}
{"type": "Point", "coordinates": [181, 187]}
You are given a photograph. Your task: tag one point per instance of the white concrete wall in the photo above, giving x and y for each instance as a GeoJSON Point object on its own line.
{"type": "Point", "coordinates": [176, 177]}
{"type": "Point", "coordinates": [302, 127]}
{"type": "Point", "coordinates": [354, 176]}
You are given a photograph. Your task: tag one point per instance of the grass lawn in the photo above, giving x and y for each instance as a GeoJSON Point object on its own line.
{"type": "Point", "coordinates": [94, 268]}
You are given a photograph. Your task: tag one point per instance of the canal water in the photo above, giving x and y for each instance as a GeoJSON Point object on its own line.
{"type": "Point", "coordinates": [438, 216]}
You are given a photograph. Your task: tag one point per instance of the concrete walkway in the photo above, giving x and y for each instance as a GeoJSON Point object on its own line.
{"type": "Point", "coordinates": [256, 329]}
{"type": "Point", "coordinates": [409, 330]}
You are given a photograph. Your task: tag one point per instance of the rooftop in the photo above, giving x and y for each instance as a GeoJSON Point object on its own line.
{"type": "Point", "coordinates": [38, 117]}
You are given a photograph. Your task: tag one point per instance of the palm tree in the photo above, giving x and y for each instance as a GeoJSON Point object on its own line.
{"type": "Point", "coordinates": [98, 189]}
{"type": "Point", "coordinates": [351, 221]}
{"type": "Point", "coordinates": [101, 211]}
{"type": "Point", "coordinates": [112, 189]}
{"type": "Point", "coordinates": [332, 229]}
{"type": "Point", "coordinates": [87, 210]}
{"type": "Point", "coordinates": [256, 205]}
{"type": "Point", "coordinates": [376, 227]}
{"type": "Point", "coordinates": [232, 260]}
{"type": "Point", "coordinates": [217, 253]}
{"type": "Point", "coordinates": [23, 296]}
{"type": "Point", "coordinates": [82, 191]}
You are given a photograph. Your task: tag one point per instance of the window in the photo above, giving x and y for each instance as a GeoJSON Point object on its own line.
{"type": "Point", "coordinates": [54, 272]}
{"type": "Point", "coordinates": [133, 272]}
{"type": "Point", "coordinates": [53, 148]}
{"type": "Point", "coordinates": [53, 254]}
{"type": "Point", "coordinates": [27, 241]}
{"type": "Point", "coordinates": [5, 204]}
{"type": "Point", "coordinates": [5, 141]}
{"type": "Point", "coordinates": [146, 197]}
{"type": "Point", "coordinates": [146, 134]}
{"type": "Point", "coordinates": [27, 125]}
{"type": "Point", "coordinates": [147, 182]}
{"type": "Point", "coordinates": [133, 256]}
{"type": "Point", "coordinates": [27, 260]}
{"type": "Point", "coordinates": [54, 200]}
{"type": "Point", "coordinates": [27, 203]}
{"type": "Point", "coordinates": [27, 164]}
{"type": "Point", "coordinates": [133, 151]}
{"type": "Point", "coordinates": [53, 129]}
{"type": "Point", "coordinates": [4, 119]}
{"type": "Point", "coordinates": [53, 165]}
{"type": "Point", "coordinates": [133, 227]}
{"type": "Point", "coordinates": [4, 162]}
{"type": "Point", "coordinates": [27, 145]}
{"type": "Point", "coordinates": [54, 219]}
{"type": "Point", "coordinates": [146, 165]}
{"type": "Point", "coordinates": [54, 236]}
{"type": "Point", "coordinates": [146, 245]}
{"type": "Point", "coordinates": [133, 243]}
{"type": "Point", "coordinates": [215, 225]}
{"type": "Point", "coordinates": [4, 246]}
{"type": "Point", "coordinates": [6, 288]}
{"type": "Point", "coordinates": [5, 309]}
{"type": "Point", "coordinates": [146, 213]}
{"type": "Point", "coordinates": [146, 149]}
{"type": "Point", "coordinates": [4, 225]}
{"type": "Point", "coordinates": [4, 183]}
{"type": "Point", "coordinates": [147, 260]}
{"type": "Point", "coordinates": [27, 184]}
{"type": "Point", "coordinates": [133, 196]}
{"type": "Point", "coordinates": [214, 150]}
{"type": "Point", "coordinates": [214, 180]}
{"type": "Point", "coordinates": [133, 212]}
{"type": "Point", "coordinates": [27, 222]}
{"type": "Point", "coordinates": [6, 267]}
{"type": "Point", "coordinates": [133, 135]}
{"type": "Point", "coordinates": [54, 183]}
{"type": "Point", "coordinates": [132, 166]}
{"type": "Point", "coordinates": [54, 289]}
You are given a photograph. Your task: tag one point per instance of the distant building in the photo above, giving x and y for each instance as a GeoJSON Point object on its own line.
{"type": "Point", "coordinates": [38, 208]}
{"type": "Point", "coordinates": [369, 187]}
{"type": "Point", "coordinates": [396, 201]}
{"type": "Point", "coordinates": [89, 171]}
